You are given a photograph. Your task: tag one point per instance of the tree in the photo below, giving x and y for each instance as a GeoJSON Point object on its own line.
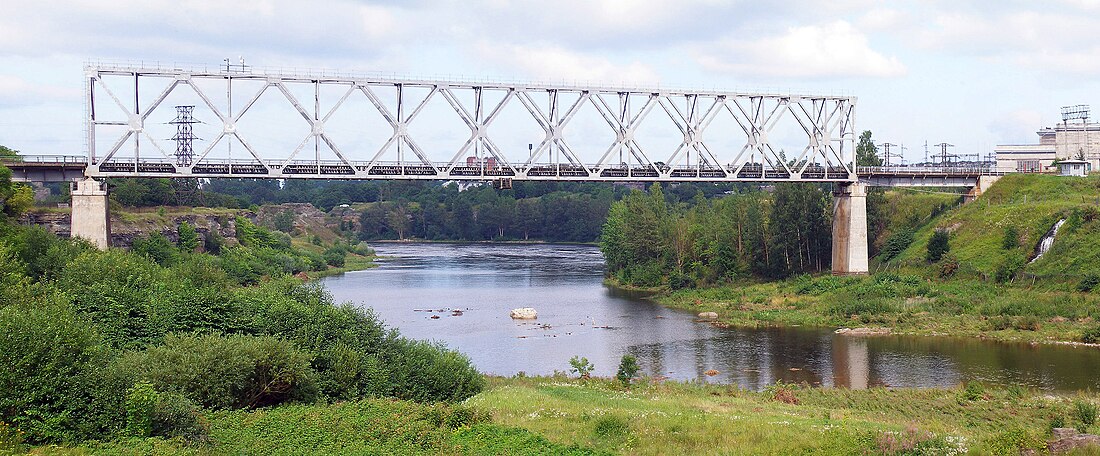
{"type": "Point", "coordinates": [188, 240]}
{"type": "Point", "coordinates": [398, 220]}
{"type": "Point", "coordinates": [15, 198]}
{"type": "Point", "coordinates": [866, 152]}
{"type": "Point", "coordinates": [938, 246]}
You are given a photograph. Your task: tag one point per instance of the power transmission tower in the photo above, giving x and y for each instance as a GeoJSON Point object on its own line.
{"type": "Point", "coordinates": [887, 155]}
{"type": "Point", "coordinates": [185, 136]}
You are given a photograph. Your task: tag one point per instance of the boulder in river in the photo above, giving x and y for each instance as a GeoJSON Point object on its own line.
{"type": "Point", "coordinates": [708, 315]}
{"type": "Point", "coordinates": [525, 313]}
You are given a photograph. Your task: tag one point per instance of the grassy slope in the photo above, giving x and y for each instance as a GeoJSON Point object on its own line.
{"type": "Point", "coordinates": [381, 427]}
{"type": "Point", "coordinates": [679, 418]}
{"type": "Point", "coordinates": [563, 416]}
{"type": "Point", "coordinates": [1031, 203]}
{"type": "Point", "coordinates": [1041, 305]}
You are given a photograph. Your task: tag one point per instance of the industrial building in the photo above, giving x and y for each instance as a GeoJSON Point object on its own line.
{"type": "Point", "coordinates": [1075, 138]}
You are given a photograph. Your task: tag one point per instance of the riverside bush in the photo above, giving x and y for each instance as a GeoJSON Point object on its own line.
{"type": "Point", "coordinates": [226, 371]}
{"type": "Point", "coordinates": [51, 387]}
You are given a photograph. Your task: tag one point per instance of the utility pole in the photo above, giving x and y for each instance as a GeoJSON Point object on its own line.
{"type": "Point", "coordinates": [886, 154]}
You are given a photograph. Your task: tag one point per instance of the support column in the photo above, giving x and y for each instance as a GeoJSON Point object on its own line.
{"type": "Point", "coordinates": [90, 218]}
{"type": "Point", "coordinates": [850, 229]}
{"type": "Point", "coordinates": [983, 184]}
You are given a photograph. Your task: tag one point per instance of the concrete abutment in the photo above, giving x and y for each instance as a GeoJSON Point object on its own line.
{"type": "Point", "coordinates": [90, 217]}
{"type": "Point", "coordinates": [850, 229]}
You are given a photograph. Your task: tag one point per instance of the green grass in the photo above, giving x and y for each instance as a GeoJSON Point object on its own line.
{"type": "Point", "coordinates": [556, 415]}
{"type": "Point", "coordinates": [1032, 204]}
{"type": "Point", "coordinates": [369, 427]}
{"type": "Point", "coordinates": [686, 418]}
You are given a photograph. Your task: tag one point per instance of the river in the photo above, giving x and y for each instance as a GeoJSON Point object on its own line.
{"type": "Point", "coordinates": [417, 288]}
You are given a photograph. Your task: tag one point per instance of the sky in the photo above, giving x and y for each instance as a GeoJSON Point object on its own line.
{"type": "Point", "coordinates": [970, 73]}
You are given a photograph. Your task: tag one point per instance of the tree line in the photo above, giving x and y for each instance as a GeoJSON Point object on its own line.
{"type": "Point", "coordinates": [649, 242]}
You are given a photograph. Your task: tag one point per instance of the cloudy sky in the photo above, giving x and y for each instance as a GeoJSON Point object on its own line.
{"type": "Point", "coordinates": [971, 73]}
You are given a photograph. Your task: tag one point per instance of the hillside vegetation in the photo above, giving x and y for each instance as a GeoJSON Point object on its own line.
{"type": "Point", "coordinates": [978, 282]}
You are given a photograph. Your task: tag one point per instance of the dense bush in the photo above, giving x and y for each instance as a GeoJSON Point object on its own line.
{"type": "Point", "coordinates": [217, 371]}
{"type": "Point", "coordinates": [938, 246]}
{"type": "Point", "coordinates": [51, 381]}
{"type": "Point", "coordinates": [1009, 267]}
{"type": "Point", "coordinates": [895, 244]}
{"type": "Point", "coordinates": [156, 247]}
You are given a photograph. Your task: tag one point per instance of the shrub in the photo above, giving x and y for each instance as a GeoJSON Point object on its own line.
{"type": "Point", "coordinates": [176, 416]}
{"type": "Point", "coordinates": [140, 400]}
{"type": "Point", "coordinates": [581, 366]}
{"type": "Point", "coordinates": [895, 244]}
{"type": "Point", "coordinates": [335, 256]}
{"type": "Point", "coordinates": [1009, 267]}
{"type": "Point", "coordinates": [226, 371]}
{"type": "Point", "coordinates": [1091, 335]}
{"type": "Point", "coordinates": [428, 372]}
{"type": "Point", "coordinates": [948, 266]}
{"type": "Point", "coordinates": [938, 246]}
{"type": "Point", "coordinates": [156, 247]}
{"type": "Point", "coordinates": [50, 366]}
{"type": "Point", "coordinates": [782, 392]}
{"type": "Point", "coordinates": [1011, 239]}
{"type": "Point", "coordinates": [628, 369]}
{"type": "Point", "coordinates": [611, 427]}
{"type": "Point", "coordinates": [1089, 282]}
{"type": "Point", "coordinates": [973, 391]}
{"type": "Point", "coordinates": [1085, 414]}
{"type": "Point", "coordinates": [188, 239]}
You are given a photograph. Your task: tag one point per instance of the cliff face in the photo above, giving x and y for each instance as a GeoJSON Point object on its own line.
{"type": "Point", "coordinates": [129, 224]}
{"type": "Point", "coordinates": [126, 226]}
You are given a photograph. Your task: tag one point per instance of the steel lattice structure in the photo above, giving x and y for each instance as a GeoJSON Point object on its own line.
{"type": "Point", "coordinates": [826, 123]}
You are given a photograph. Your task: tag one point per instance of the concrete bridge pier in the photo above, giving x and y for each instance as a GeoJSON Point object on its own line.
{"type": "Point", "coordinates": [983, 184]}
{"type": "Point", "coordinates": [850, 229]}
{"type": "Point", "coordinates": [90, 218]}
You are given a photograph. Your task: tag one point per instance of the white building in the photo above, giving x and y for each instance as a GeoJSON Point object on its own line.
{"type": "Point", "coordinates": [1073, 139]}
{"type": "Point", "coordinates": [1079, 168]}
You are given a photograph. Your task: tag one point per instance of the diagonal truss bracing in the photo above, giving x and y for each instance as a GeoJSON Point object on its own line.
{"type": "Point", "coordinates": [706, 135]}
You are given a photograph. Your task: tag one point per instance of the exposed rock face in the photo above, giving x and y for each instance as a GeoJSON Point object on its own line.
{"type": "Point", "coordinates": [708, 316]}
{"type": "Point", "coordinates": [524, 313]}
{"type": "Point", "coordinates": [1066, 439]}
{"type": "Point", "coordinates": [125, 228]}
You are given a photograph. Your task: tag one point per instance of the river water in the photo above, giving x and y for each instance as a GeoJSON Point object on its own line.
{"type": "Point", "coordinates": [578, 315]}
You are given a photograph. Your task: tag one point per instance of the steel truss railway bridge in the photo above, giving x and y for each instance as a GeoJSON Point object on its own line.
{"type": "Point", "coordinates": [708, 136]}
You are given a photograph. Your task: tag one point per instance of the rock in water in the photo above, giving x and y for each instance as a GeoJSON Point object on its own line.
{"type": "Point", "coordinates": [525, 313]}
{"type": "Point", "coordinates": [708, 315]}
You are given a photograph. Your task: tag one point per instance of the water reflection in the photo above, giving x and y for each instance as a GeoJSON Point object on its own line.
{"type": "Point", "coordinates": [579, 316]}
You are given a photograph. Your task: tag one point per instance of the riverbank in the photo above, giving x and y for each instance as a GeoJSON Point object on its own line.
{"type": "Point", "coordinates": [557, 415]}
{"type": "Point", "coordinates": [904, 304]}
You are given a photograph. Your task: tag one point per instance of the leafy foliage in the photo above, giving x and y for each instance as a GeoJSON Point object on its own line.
{"type": "Point", "coordinates": [628, 369]}
{"type": "Point", "coordinates": [938, 246]}
{"type": "Point", "coordinates": [236, 371]}
{"type": "Point", "coordinates": [188, 239]}
{"type": "Point", "coordinates": [581, 366]}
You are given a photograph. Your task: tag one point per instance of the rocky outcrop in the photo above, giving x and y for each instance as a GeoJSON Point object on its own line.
{"type": "Point", "coordinates": [708, 316]}
{"type": "Point", "coordinates": [1067, 439]}
{"type": "Point", "coordinates": [127, 226]}
{"type": "Point", "coordinates": [524, 313]}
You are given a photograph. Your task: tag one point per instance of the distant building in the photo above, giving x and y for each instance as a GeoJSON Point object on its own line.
{"type": "Point", "coordinates": [1075, 138]}
{"type": "Point", "coordinates": [1078, 168]}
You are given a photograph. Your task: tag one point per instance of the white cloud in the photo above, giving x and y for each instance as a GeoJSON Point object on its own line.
{"type": "Point", "coordinates": [1016, 127]}
{"type": "Point", "coordinates": [15, 91]}
{"type": "Point", "coordinates": [835, 49]}
{"type": "Point", "coordinates": [557, 63]}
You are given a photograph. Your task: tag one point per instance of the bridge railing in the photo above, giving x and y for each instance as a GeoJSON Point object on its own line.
{"type": "Point", "coordinates": [931, 170]}
{"type": "Point", "coordinates": [47, 159]}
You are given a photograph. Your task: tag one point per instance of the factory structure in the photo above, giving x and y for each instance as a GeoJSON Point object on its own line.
{"type": "Point", "coordinates": [1075, 139]}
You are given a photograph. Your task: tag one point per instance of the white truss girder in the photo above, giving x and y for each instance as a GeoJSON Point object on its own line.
{"type": "Point", "coordinates": [827, 123]}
